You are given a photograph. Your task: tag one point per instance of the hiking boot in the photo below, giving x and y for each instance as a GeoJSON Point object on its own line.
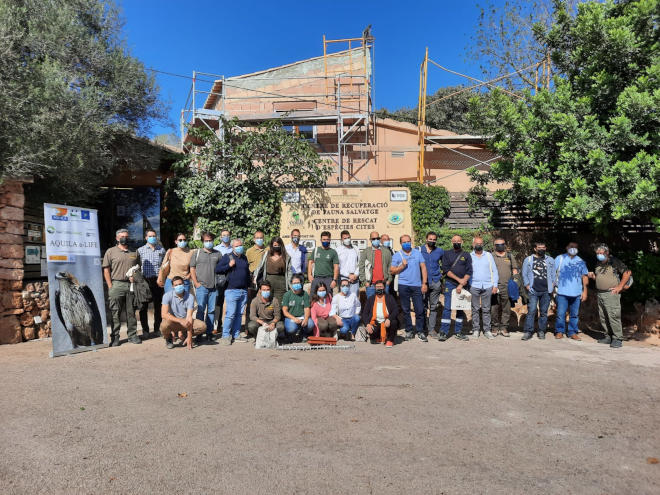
{"type": "Point", "coordinates": [422, 337]}
{"type": "Point", "coordinates": [169, 344]}
{"type": "Point", "coordinates": [462, 337]}
{"type": "Point", "coordinates": [575, 336]}
{"type": "Point", "coordinates": [115, 342]}
{"type": "Point", "coordinates": [225, 341]}
{"type": "Point", "coordinates": [528, 336]}
{"type": "Point", "coordinates": [541, 335]}
{"type": "Point", "coordinates": [410, 335]}
{"type": "Point", "coordinates": [389, 344]}
{"type": "Point", "coordinates": [559, 335]}
{"type": "Point", "coordinates": [605, 340]}
{"type": "Point", "coordinates": [616, 344]}
{"type": "Point", "coordinates": [505, 333]}
{"type": "Point", "coordinates": [489, 335]}
{"type": "Point", "coordinates": [135, 340]}
{"type": "Point", "coordinates": [443, 337]}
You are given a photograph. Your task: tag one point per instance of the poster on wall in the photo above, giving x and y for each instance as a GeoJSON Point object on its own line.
{"type": "Point", "coordinates": [75, 283]}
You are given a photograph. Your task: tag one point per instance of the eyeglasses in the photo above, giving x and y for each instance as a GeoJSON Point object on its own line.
{"type": "Point", "coordinates": [374, 238]}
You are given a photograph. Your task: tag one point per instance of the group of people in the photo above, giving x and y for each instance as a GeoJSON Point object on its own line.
{"type": "Point", "coordinates": [266, 283]}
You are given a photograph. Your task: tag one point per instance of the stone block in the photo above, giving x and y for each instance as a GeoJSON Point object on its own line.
{"type": "Point", "coordinates": [11, 187]}
{"type": "Point", "coordinates": [15, 199]}
{"type": "Point", "coordinates": [11, 239]}
{"type": "Point", "coordinates": [43, 332]}
{"type": "Point", "coordinates": [10, 285]}
{"type": "Point", "coordinates": [10, 330]}
{"type": "Point", "coordinates": [12, 227]}
{"type": "Point", "coordinates": [11, 263]}
{"type": "Point", "coordinates": [11, 274]}
{"type": "Point", "coordinates": [29, 333]}
{"type": "Point", "coordinates": [26, 320]}
{"type": "Point", "coordinates": [11, 300]}
{"type": "Point", "coordinates": [11, 251]}
{"type": "Point", "coordinates": [11, 213]}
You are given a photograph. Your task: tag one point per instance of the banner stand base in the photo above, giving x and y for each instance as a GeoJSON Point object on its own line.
{"type": "Point", "coordinates": [77, 350]}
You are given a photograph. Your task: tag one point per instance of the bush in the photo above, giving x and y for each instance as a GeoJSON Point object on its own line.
{"type": "Point", "coordinates": [429, 207]}
{"type": "Point", "coordinates": [645, 269]}
{"type": "Point", "coordinates": [446, 233]}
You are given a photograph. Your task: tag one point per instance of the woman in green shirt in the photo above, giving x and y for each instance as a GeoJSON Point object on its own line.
{"type": "Point", "coordinates": [295, 308]}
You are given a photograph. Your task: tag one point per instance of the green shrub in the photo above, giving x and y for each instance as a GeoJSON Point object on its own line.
{"type": "Point", "coordinates": [645, 269]}
{"type": "Point", "coordinates": [446, 233]}
{"type": "Point", "coordinates": [429, 206]}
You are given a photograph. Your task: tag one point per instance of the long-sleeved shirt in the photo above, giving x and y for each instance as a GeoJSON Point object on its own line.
{"type": "Point", "coordinates": [267, 311]}
{"type": "Point", "coordinates": [529, 275]}
{"type": "Point", "coordinates": [433, 261]}
{"type": "Point", "coordinates": [238, 276]}
{"type": "Point", "coordinates": [151, 259]}
{"type": "Point", "coordinates": [462, 267]}
{"type": "Point", "coordinates": [484, 271]}
{"type": "Point", "coordinates": [223, 248]}
{"type": "Point", "coordinates": [321, 310]}
{"type": "Point", "coordinates": [345, 306]}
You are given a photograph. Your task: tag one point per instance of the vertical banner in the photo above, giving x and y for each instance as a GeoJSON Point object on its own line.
{"type": "Point", "coordinates": [75, 282]}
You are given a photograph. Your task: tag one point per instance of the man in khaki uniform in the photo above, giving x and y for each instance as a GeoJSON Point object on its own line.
{"type": "Point", "coordinates": [507, 267]}
{"type": "Point", "coordinates": [116, 262]}
{"type": "Point", "coordinates": [612, 277]}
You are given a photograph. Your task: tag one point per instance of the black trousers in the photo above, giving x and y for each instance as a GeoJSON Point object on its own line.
{"type": "Point", "coordinates": [157, 295]}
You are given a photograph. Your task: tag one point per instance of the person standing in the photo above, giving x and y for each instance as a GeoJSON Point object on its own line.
{"type": "Point", "coordinates": [324, 264]}
{"type": "Point", "coordinates": [179, 258]}
{"type": "Point", "coordinates": [265, 311]}
{"type": "Point", "coordinates": [386, 242]}
{"type": "Point", "coordinates": [571, 283]}
{"type": "Point", "coordinates": [254, 254]}
{"type": "Point", "coordinates": [321, 304]}
{"type": "Point", "coordinates": [346, 310]}
{"type": "Point", "coordinates": [296, 311]}
{"type": "Point", "coordinates": [483, 286]}
{"type": "Point", "coordinates": [235, 266]}
{"type": "Point", "coordinates": [539, 279]}
{"type": "Point", "coordinates": [176, 312]}
{"type": "Point", "coordinates": [298, 254]}
{"type": "Point", "coordinates": [379, 314]}
{"type": "Point", "coordinates": [202, 273]}
{"type": "Point", "coordinates": [116, 263]}
{"type": "Point", "coordinates": [151, 255]}
{"type": "Point", "coordinates": [409, 265]}
{"type": "Point", "coordinates": [507, 268]}
{"type": "Point", "coordinates": [374, 264]}
{"type": "Point", "coordinates": [457, 271]}
{"type": "Point", "coordinates": [433, 260]}
{"type": "Point", "coordinates": [273, 267]}
{"type": "Point", "coordinates": [223, 248]}
{"type": "Point", "coordinates": [612, 276]}
{"type": "Point", "coordinates": [349, 256]}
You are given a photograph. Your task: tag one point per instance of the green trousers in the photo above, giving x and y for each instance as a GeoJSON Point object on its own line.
{"type": "Point", "coordinates": [121, 299]}
{"type": "Point", "coordinates": [609, 311]}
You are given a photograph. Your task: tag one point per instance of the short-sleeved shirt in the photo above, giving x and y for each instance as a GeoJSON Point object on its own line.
{"type": "Point", "coordinates": [296, 303]}
{"type": "Point", "coordinates": [324, 262]}
{"type": "Point", "coordinates": [296, 256]}
{"type": "Point", "coordinates": [411, 275]}
{"type": "Point", "coordinates": [505, 266]}
{"type": "Point", "coordinates": [119, 262]}
{"type": "Point", "coordinates": [609, 274]}
{"type": "Point", "coordinates": [433, 262]}
{"type": "Point", "coordinates": [179, 306]}
{"type": "Point", "coordinates": [569, 275]}
{"type": "Point", "coordinates": [204, 264]}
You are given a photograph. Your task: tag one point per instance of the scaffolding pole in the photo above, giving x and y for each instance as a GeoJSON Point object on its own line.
{"type": "Point", "coordinates": [421, 114]}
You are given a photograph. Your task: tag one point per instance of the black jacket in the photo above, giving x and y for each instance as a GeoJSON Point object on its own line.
{"type": "Point", "coordinates": [141, 290]}
{"type": "Point", "coordinates": [390, 304]}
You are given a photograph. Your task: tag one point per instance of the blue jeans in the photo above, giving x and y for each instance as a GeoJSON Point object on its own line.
{"type": "Point", "coordinates": [206, 301]}
{"type": "Point", "coordinates": [572, 304]}
{"type": "Point", "coordinates": [168, 286]}
{"type": "Point", "coordinates": [235, 299]}
{"type": "Point", "coordinates": [371, 290]}
{"type": "Point", "coordinates": [445, 323]}
{"type": "Point", "coordinates": [291, 327]}
{"type": "Point", "coordinates": [350, 324]}
{"type": "Point", "coordinates": [542, 300]}
{"type": "Point", "coordinates": [406, 293]}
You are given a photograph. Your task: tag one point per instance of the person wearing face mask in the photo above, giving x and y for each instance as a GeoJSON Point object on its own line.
{"type": "Point", "coordinates": [202, 273]}
{"type": "Point", "coordinates": [346, 310]}
{"type": "Point", "coordinates": [612, 277]}
{"type": "Point", "coordinates": [433, 260]}
{"type": "Point", "coordinates": [539, 279]}
{"type": "Point", "coordinates": [224, 247]}
{"type": "Point", "coordinates": [298, 254]}
{"type": "Point", "coordinates": [117, 261]}
{"type": "Point", "coordinates": [237, 269]}
{"type": "Point", "coordinates": [296, 311]}
{"type": "Point", "coordinates": [254, 255]}
{"type": "Point", "coordinates": [379, 315]}
{"type": "Point", "coordinates": [374, 264]}
{"type": "Point", "coordinates": [457, 271]}
{"type": "Point", "coordinates": [349, 257]}
{"type": "Point", "coordinates": [324, 264]}
{"type": "Point", "coordinates": [507, 268]}
{"type": "Point", "coordinates": [179, 259]}
{"type": "Point", "coordinates": [176, 312]}
{"type": "Point", "coordinates": [410, 266]}
{"type": "Point", "coordinates": [274, 266]}
{"type": "Point", "coordinates": [483, 285]}
{"type": "Point", "coordinates": [321, 304]}
{"type": "Point", "coordinates": [151, 255]}
{"type": "Point", "coordinates": [265, 311]}
{"type": "Point", "coordinates": [571, 280]}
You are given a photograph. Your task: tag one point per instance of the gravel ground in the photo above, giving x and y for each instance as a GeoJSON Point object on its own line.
{"type": "Point", "coordinates": [501, 416]}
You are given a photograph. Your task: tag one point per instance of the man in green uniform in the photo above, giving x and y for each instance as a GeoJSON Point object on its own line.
{"type": "Point", "coordinates": [324, 264]}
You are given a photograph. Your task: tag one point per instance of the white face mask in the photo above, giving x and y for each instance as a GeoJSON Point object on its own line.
{"type": "Point", "coordinates": [347, 241]}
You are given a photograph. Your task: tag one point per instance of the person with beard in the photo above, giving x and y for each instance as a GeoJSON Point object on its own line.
{"type": "Point", "coordinates": [539, 279]}
{"type": "Point", "coordinates": [116, 263]}
{"type": "Point", "coordinates": [457, 271]}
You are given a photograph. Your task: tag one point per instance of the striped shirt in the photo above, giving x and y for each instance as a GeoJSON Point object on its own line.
{"type": "Point", "coordinates": [151, 260]}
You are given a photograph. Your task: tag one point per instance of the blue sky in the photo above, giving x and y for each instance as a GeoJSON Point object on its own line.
{"type": "Point", "coordinates": [233, 38]}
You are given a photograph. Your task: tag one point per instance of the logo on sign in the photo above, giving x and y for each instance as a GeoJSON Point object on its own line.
{"type": "Point", "coordinates": [399, 195]}
{"type": "Point", "coordinates": [395, 218]}
{"type": "Point", "coordinates": [60, 214]}
{"type": "Point", "coordinates": [84, 214]}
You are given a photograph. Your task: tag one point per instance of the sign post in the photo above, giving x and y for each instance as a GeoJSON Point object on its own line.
{"type": "Point", "coordinates": [75, 283]}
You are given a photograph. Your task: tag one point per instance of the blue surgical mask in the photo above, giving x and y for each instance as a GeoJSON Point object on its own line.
{"type": "Point", "coordinates": [182, 244]}
{"type": "Point", "coordinates": [296, 286]}
{"type": "Point", "coordinates": [152, 240]}
{"type": "Point", "coordinates": [321, 293]}
{"type": "Point", "coordinates": [259, 242]}
{"type": "Point", "coordinates": [238, 250]}
{"type": "Point", "coordinates": [406, 246]}
{"type": "Point", "coordinates": [601, 257]}
{"type": "Point", "coordinates": [344, 289]}
{"type": "Point", "coordinates": [225, 239]}
{"type": "Point", "coordinates": [387, 243]}
{"type": "Point", "coordinates": [208, 244]}
{"type": "Point", "coordinates": [375, 243]}
{"type": "Point", "coordinates": [265, 294]}
{"type": "Point", "coordinates": [179, 289]}
{"type": "Point", "coordinates": [325, 244]}
{"type": "Point", "coordinates": [572, 251]}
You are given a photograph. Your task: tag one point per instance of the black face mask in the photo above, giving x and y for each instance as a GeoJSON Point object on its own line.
{"type": "Point", "coordinates": [540, 252]}
{"type": "Point", "coordinates": [457, 245]}
{"type": "Point", "coordinates": [478, 248]}
{"type": "Point", "coordinates": [380, 292]}
{"type": "Point", "coordinates": [430, 244]}
{"type": "Point", "coordinates": [123, 241]}
{"type": "Point", "coordinates": [277, 249]}
{"type": "Point", "coordinates": [500, 247]}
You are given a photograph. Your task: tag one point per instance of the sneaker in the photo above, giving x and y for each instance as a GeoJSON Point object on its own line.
{"type": "Point", "coordinates": [389, 344]}
{"type": "Point", "coordinates": [241, 339]}
{"type": "Point", "coordinates": [505, 333]}
{"type": "Point", "coordinates": [616, 344]}
{"type": "Point", "coordinates": [225, 341]}
{"type": "Point", "coordinates": [115, 342]}
{"type": "Point", "coordinates": [410, 335]}
{"type": "Point", "coordinates": [304, 339]}
{"type": "Point", "coordinates": [575, 336]}
{"type": "Point", "coordinates": [475, 334]}
{"type": "Point", "coordinates": [541, 335]}
{"type": "Point", "coordinates": [146, 335]}
{"type": "Point", "coordinates": [559, 335]}
{"type": "Point", "coordinates": [169, 344]}
{"type": "Point", "coordinates": [443, 337]}
{"type": "Point", "coordinates": [528, 336]}
{"type": "Point", "coordinates": [489, 335]}
{"type": "Point", "coordinates": [606, 340]}
{"type": "Point", "coordinates": [135, 340]}
{"type": "Point", "coordinates": [433, 334]}
{"type": "Point", "coordinates": [422, 337]}
{"type": "Point", "coordinates": [462, 337]}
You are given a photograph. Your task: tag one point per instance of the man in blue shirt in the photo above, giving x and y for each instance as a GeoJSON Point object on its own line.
{"type": "Point", "coordinates": [571, 283]}
{"type": "Point", "coordinates": [539, 279]}
{"type": "Point", "coordinates": [433, 261]}
{"type": "Point", "coordinates": [483, 286]}
{"type": "Point", "coordinates": [225, 248]}
{"type": "Point", "coordinates": [237, 269]}
{"type": "Point", "coordinates": [457, 270]}
{"type": "Point", "coordinates": [409, 265]}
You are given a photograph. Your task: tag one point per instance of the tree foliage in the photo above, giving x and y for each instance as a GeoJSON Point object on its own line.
{"type": "Point", "coordinates": [70, 93]}
{"type": "Point", "coordinates": [236, 182]}
{"type": "Point", "coordinates": [429, 207]}
{"type": "Point", "coordinates": [587, 150]}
